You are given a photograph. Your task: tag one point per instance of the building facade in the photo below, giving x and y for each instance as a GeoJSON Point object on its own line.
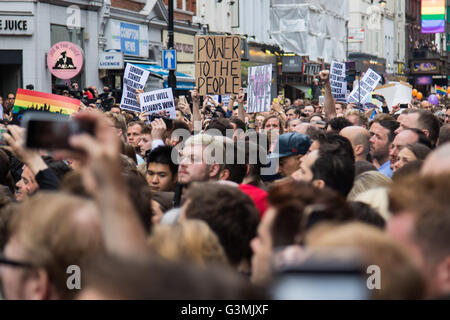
{"type": "Point", "coordinates": [427, 58]}
{"type": "Point", "coordinates": [23, 52]}
{"type": "Point", "coordinates": [376, 36]}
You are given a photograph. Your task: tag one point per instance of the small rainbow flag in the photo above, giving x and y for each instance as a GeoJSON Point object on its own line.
{"type": "Point", "coordinates": [29, 100]}
{"type": "Point", "coordinates": [440, 90]}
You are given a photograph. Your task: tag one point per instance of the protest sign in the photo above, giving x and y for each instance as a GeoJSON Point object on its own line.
{"type": "Point", "coordinates": [259, 88]}
{"type": "Point", "coordinates": [29, 100]}
{"type": "Point", "coordinates": [134, 78]}
{"type": "Point", "coordinates": [158, 102]}
{"type": "Point", "coordinates": [395, 93]}
{"type": "Point", "coordinates": [226, 100]}
{"type": "Point", "coordinates": [366, 86]}
{"type": "Point", "coordinates": [338, 81]}
{"type": "Point", "coordinates": [218, 64]}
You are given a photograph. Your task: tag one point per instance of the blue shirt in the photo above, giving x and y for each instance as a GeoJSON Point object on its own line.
{"type": "Point", "coordinates": [386, 169]}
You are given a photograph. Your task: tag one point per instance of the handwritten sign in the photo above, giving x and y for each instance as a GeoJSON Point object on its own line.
{"type": "Point", "coordinates": [259, 88]}
{"type": "Point", "coordinates": [338, 81]}
{"type": "Point", "coordinates": [366, 86]}
{"type": "Point", "coordinates": [159, 102]}
{"type": "Point", "coordinates": [134, 78]}
{"type": "Point", "coordinates": [218, 64]}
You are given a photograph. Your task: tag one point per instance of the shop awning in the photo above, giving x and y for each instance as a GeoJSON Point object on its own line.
{"type": "Point", "coordinates": [184, 81]}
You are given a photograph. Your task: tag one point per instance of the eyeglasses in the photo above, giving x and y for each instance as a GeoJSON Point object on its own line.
{"type": "Point", "coordinates": [15, 263]}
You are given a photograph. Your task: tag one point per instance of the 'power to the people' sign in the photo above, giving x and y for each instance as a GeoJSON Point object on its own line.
{"type": "Point", "coordinates": [218, 64]}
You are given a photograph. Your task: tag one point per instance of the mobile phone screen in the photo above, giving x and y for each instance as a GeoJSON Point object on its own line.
{"type": "Point", "coordinates": [54, 134]}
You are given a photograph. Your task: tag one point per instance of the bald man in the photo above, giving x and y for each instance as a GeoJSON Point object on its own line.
{"type": "Point", "coordinates": [359, 138]}
{"type": "Point", "coordinates": [437, 162]}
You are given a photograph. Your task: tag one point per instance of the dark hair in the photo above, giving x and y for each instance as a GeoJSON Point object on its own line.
{"type": "Point", "coordinates": [163, 155]}
{"type": "Point", "coordinates": [336, 163]}
{"type": "Point", "coordinates": [367, 214]}
{"type": "Point", "coordinates": [430, 122]}
{"type": "Point", "coordinates": [297, 110]}
{"type": "Point", "coordinates": [339, 123]}
{"type": "Point", "coordinates": [300, 206]}
{"type": "Point", "coordinates": [6, 177]}
{"type": "Point", "coordinates": [419, 150]}
{"type": "Point", "coordinates": [231, 214]}
{"type": "Point", "coordinates": [422, 137]}
{"type": "Point", "coordinates": [363, 166]}
{"type": "Point", "coordinates": [59, 167]}
{"type": "Point", "coordinates": [239, 123]}
{"type": "Point", "coordinates": [388, 124]}
{"type": "Point", "coordinates": [280, 122]}
{"type": "Point", "coordinates": [236, 169]}
{"type": "Point", "coordinates": [444, 134]}
{"type": "Point", "coordinates": [258, 149]}
{"type": "Point", "coordinates": [220, 124]}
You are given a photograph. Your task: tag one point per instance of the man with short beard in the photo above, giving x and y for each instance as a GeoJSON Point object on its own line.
{"type": "Point", "coordinates": [382, 134]}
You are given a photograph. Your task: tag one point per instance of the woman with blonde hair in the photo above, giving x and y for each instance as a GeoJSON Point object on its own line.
{"type": "Point", "coordinates": [190, 240]}
{"type": "Point", "coordinates": [366, 181]}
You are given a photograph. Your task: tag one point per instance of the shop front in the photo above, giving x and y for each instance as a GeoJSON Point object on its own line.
{"type": "Point", "coordinates": [425, 74]}
{"type": "Point", "coordinates": [17, 29]}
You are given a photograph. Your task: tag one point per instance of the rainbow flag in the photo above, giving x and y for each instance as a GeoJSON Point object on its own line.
{"type": "Point", "coordinates": [433, 16]}
{"type": "Point", "coordinates": [29, 100]}
{"type": "Point", "coordinates": [440, 90]}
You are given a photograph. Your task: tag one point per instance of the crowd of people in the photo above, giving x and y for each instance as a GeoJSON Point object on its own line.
{"type": "Point", "coordinates": [224, 204]}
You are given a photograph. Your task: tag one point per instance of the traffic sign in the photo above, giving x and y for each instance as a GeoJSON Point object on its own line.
{"type": "Point", "coordinates": [169, 58]}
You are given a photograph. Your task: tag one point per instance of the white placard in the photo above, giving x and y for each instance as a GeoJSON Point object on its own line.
{"type": "Point", "coordinates": [366, 86]}
{"type": "Point", "coordinates": [134, 78]}
{"type": "Point", "coordinates": [158, 102]}
{"type": "Point", "coordinates": [338, 81]}
{"type": "Point", "coordinates": [259, 88]}
{"type": "Point", "coordinates": [395, 93]}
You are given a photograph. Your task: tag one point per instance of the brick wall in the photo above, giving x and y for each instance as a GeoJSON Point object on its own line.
{"type": "Point", "coordinates": [128, 5]}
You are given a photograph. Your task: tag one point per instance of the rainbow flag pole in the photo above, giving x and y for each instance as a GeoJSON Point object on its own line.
{"type": "Point", "coordinates": [29, 100]}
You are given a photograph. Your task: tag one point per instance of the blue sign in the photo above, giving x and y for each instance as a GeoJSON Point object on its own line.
{"type": "Point", "coordinates": [129, 38]}
{"type": "Point", "coordinates": [169, 59]}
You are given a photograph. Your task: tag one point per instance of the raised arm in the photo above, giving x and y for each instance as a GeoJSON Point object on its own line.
{"type": "Point", "coordinates": [329, 104]}
{"type": "Point", "coordinates": [196, 117]}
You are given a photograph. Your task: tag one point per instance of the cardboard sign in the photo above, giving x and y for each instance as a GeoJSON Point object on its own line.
{"type": "Point", "coordinates": [218, 64]}
{"type": "Point", "coordinates": [134, 78]}
{"type": "Point", "coordinates": [395, 93]}
{"type": "Point", "coordinates": [338, 81]}
{"type": "Point", "coordinates": [259, 88]}
{"type": "Point", "coordinates": [159, 102]}
{"type": "Point", "coordinates": [29, 100]}
{"type": "Point", "coordinates": [366, 85]}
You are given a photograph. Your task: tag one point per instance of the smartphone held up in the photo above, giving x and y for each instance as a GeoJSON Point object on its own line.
{"type": "Point", "coordinates": [51, 131]}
